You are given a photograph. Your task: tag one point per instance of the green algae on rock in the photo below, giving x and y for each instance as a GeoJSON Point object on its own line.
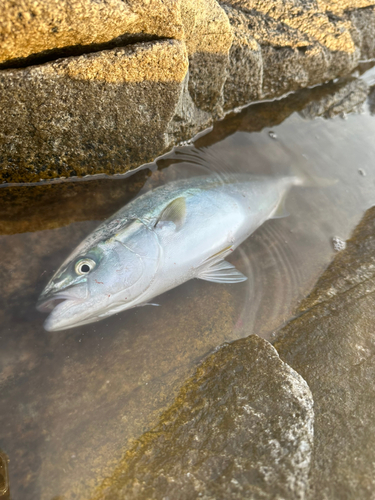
{"type": "Point", "coordinates": [331, 344]}
{"type": "Point", "coordinates": [241, 427]}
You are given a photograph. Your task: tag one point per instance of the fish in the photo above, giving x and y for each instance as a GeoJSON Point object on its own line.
{"type": "Point", "coordinates": [182, 230]}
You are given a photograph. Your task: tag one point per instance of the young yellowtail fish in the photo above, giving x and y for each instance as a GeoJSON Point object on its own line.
{"type": "Point", "coordinates": [176, 232]}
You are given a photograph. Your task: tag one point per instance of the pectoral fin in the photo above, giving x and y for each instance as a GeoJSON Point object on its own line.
{"type": "Point", "coordinates": [222, 272]}
{"type": "Point", "coordinates": [174, 212]}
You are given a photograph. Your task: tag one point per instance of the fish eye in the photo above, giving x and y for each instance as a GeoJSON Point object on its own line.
{"type": "Point", "coordinates": [84, 266]}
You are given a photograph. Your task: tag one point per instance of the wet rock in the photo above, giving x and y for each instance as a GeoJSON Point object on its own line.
{"type": "Point", "coordinates": [348, 98]}
{"type": "Point", "coordinates": [102, 112]}
{"type": "Point", "coordinates": [372, 101]}
{"type": "Point", "coordinates": [241, 427]}
{"type": "Point", "coordinates": [331, 344]}
{"type": "Point", "coordinates": [23, 208]}
{"type": "Point", "coordinates": [85, 98]}
{"type": "Point", "coordinates": [37, 28]}
{"type": "Point", "coordinates": [344, 95]}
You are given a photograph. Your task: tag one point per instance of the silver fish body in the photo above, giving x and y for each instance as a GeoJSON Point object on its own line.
{"type": "Point", "coordinates": [163, 238]}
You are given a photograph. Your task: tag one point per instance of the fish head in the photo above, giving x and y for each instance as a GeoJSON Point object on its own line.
{"type": "Point", "coordinates": [100, 279]}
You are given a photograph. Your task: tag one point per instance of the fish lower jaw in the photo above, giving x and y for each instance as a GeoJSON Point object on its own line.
{"type": "Point", "coordinates": [59, 317]}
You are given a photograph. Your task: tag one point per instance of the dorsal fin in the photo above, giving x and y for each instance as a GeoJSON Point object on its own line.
{"type": "Point", "coordinates": [174, 212]}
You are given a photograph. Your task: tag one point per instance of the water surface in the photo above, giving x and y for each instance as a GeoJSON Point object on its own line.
{"type": "Point", "coordinates": [72, 400]}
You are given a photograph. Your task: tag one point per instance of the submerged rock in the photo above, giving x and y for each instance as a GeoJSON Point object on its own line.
{"type": "Point", "coordinates": [241, 427]}
{"type": "Point", "coordinates": [331, 344]}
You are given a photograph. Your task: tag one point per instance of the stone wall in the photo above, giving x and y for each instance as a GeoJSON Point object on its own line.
{"type": "Point", "coordinates": [103, 86]}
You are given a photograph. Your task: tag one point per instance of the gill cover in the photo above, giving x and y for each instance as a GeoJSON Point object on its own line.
{"type": "Point", "coordinates": [132, 260]}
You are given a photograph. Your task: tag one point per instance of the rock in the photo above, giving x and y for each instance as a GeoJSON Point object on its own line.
{"type": "Point", "coordinates": [372, 101]}
{"type": "Point", "coordinates": [89, 86]}
{"type": "Point", "coordinates": [35, 29]}
{"type": "Point", "coordinates": [331, 344]}
{"type": "Point", "coordinates": [4, 477]}
{"type": "Point", "coordinates": [340, 6]}
{"type": "Point", "coordinates": [102, 112]}
{"type": "Point", "coordinates": [241, 427]}
{"type": "Point", "coordinates": [349, 98]}
{"type": "Point", "coordinates": [208, 41]}
{"type": "Point", "coordinates": [23, 208]}
{"type": "Point", "coordinates": [342, 96]}
{"type": "Point", "coordinates": [363, 23]}
{"type": "Point", "coordinates": [300, 45]}
{"type": "Point", "coordinates": [245, 70]}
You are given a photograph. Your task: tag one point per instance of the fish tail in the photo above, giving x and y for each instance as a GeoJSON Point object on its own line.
{"type": "Point", "coordinates": [304, 177]}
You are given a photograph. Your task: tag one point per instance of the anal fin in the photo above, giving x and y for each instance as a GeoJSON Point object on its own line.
{"type": "Point", "coordinates": [222, 272]}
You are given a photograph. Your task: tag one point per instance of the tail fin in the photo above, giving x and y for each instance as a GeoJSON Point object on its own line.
{"type": "Point", "coordinates": [305, 176]}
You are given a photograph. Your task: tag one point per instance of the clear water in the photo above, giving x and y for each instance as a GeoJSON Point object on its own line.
{"type": "Point", "coordinates": [71, 400]}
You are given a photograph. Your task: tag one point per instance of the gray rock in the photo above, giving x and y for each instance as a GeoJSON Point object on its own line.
{"type": "Point", "coordinates": [96, 113]}
{"type": "Point", "coordinates": [331, 343]}
{"type": "Point", "coordinates": [363, 29]}
{"type": "Point", "coordinates": [245, 70]}
{"type": "Point", "coordinates": [84, 98]}
{"type": "Point", "coordinates": [241, 427]}
{"type": "Point", "coordinates": [348, 98]}
{"type": "Point", "coordinates": [372, 101]}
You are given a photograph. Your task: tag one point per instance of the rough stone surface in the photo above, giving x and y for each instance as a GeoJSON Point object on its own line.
{"type": "Point", "coordinates": [331, 344]}
{"type": "Point", "coordinates": [32, 27]}
{"type": "Point", "coordinates": [241, 427]}
{"type": "Point", "coordinates": [102, 112]}
{"type": "Point", "coordinates": [103, 107]}
{"type": "Point", "coordinates": [208, 41]}
{"type": "Point", "coordinates": [363, 31]}
{"type": "Point", "coordinates": [300, 46]}
{"type": "Point", "coordinates": [372, 101]}
{"type": "Point", "coordinates": [348, 98]}
{"type": "Point", "coordinates": [245, 71]}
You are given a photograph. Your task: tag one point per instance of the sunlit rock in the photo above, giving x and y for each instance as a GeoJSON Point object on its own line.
{"type": "Point", "coordinates": [36, 29]}
{"type": "Point", "coordinates": [95, 113]}
{"type": "Point", "coordinates": [91, 86]}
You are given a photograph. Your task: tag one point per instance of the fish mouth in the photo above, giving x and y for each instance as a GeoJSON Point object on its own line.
{"type": "Point", "coordinates": [64, 307]}
{"type": "Point", "coordinates": [49, 304]}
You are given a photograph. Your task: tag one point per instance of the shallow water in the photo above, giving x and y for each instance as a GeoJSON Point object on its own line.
{"type": "Point", "coordinates": [72, 400]}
